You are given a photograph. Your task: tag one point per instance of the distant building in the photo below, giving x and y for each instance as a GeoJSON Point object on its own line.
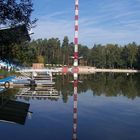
{"type": "Point", "coordinates": [38, 66]}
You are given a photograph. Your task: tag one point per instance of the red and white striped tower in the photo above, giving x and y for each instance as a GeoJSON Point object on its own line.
{"type": "Point", "coordinates": [76, 34]}
{"type": "Point", "coordinates": [75, 68]}
{"type": "Point", "coordinates": [74, 137]}
{"type": "Point", "coordinates": [75, 71]}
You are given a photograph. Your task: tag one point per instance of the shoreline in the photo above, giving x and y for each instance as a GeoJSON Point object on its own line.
{"type": "Point", "coordinates": [87, 69]}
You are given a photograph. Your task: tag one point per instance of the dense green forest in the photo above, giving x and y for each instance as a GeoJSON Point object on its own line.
{"type": "Point", "coordinates": [53, 51]}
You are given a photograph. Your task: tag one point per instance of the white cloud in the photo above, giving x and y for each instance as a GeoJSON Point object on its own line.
{"type": "Point", "coordinates": [115, 22]}
{"type": "Point", "coordinates": [87, 35]}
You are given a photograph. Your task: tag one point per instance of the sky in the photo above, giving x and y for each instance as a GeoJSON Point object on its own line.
{"type": "Point", "coordinates": [100, 21]}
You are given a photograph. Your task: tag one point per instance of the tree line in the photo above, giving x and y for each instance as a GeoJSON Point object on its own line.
{"type": "Point", "coordinates": [52, 51]}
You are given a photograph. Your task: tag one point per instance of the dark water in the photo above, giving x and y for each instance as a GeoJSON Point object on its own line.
{"type": "Point", "coordinates": [108, 109]}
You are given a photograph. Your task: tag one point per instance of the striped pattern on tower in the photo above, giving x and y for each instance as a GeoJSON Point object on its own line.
{"type": "Point", "coordinates": [76, 33]}
{"type": "Point", "coordinates": [75, 111]}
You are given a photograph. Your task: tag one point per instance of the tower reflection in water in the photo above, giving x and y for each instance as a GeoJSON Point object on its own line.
{"type": "Point", "coordinates": [52, 93]}
{"type": "Point", "coordinates": [17, 111]}
{"type": "Point", "coordinates": [75, 97]}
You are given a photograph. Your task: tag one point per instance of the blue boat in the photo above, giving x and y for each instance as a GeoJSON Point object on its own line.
{"type": "Point", "coordinates": [7, 80]}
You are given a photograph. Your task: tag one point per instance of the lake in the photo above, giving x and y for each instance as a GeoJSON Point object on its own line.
{"type": "Point", "coordinates": [108, 109]}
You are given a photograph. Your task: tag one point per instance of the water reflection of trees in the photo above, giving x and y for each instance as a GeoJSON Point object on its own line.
{"type": "Point", "coordinates": [108, 84]}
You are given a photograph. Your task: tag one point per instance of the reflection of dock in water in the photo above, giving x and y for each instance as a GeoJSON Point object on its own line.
{"type": "Point", "coordinates": [13, 111]}
{"type": "Point", "coordinates": [41, 93]}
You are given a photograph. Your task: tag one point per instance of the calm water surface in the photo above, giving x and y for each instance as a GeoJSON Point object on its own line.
{"type": "Point", "coordinates": [108, 109]}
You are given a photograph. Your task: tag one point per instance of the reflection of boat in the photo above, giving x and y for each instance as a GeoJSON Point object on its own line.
{"type": "Point", "coordinates": [44, 92]}
{"type": "Point", "coordinates": [13, 111]}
